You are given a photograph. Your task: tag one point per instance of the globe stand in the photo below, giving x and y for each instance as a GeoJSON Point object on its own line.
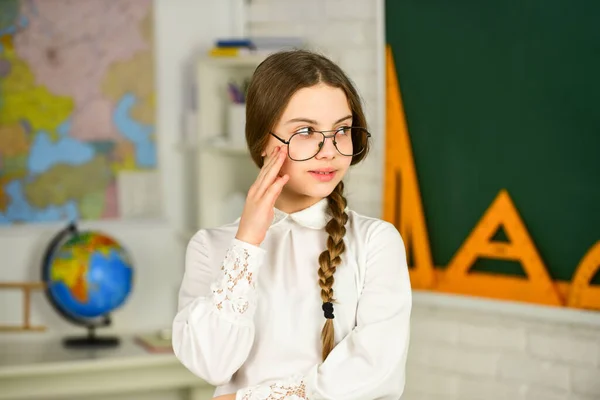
{"type": "Point", "coordinates": [91, 340]}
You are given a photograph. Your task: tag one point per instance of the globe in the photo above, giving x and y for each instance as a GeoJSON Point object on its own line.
{"type": "Point", "coordinates": [87, 275]}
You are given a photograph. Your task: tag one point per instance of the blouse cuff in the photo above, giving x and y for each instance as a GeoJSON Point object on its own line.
{"type": "Point", "coordinates": [292, 388]}
{"type": "Point", "coordinates": [234, 290]}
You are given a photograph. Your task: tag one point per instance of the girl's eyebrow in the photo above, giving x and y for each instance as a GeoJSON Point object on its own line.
{"type": "Point", "coordinates": [313, 122]}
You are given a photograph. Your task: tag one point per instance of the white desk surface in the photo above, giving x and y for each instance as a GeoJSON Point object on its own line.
{"type": "Point", "coordinates": [30, 356]}
{"type": "Point", "coordinates": [46, 369]}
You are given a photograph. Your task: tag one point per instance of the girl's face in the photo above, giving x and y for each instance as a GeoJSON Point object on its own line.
{"type": "Point", "coordinates": [319, 108]}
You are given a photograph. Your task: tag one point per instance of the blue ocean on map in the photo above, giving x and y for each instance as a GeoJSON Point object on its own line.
{"type": "Point", "coordinates": [45, 154]}
{"type": "Point", "coordinates": [139, 134]}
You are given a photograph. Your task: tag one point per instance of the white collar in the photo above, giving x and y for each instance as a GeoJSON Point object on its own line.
{"type": "Point", "coordinates": [315, 216]}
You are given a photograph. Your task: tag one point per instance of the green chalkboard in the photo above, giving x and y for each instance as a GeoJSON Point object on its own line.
{"type": "Point", "coordinates": [504, 94]}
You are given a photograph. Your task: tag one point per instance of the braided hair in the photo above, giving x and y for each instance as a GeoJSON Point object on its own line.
{"type": "Point", "coordinates": [329, 261]}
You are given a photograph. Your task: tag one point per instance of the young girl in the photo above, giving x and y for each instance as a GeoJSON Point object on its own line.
{"type": "Point", "coordinates": [300, 298]}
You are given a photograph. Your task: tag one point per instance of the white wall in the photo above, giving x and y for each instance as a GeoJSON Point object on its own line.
{"type": "Point", "coordinates": [464, 349]}
{"type": "Point", "coordinates": [183, 28]}
{"type": "Point", "coordinates": [461, 348]}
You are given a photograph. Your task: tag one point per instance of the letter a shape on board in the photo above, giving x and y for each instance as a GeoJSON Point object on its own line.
{"type": "Point", "coordinates": [536, 287]}
{"type": "Point", "coordinates": [402, 204]}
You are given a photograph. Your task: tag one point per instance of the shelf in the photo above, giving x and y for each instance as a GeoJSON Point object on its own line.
{"type": "Point", "coordinates": [220, 164]}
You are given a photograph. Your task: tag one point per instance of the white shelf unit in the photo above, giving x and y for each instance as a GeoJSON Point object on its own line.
{"type": "Point", "coordinates": [220, 172]}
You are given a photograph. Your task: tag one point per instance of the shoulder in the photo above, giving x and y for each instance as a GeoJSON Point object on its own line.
{"type": "Point", "coordinates": [371, 230]}
{"type": "Point", "coordinates": [385, 255]}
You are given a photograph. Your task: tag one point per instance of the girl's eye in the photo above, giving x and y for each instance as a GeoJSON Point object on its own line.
{"type": "Point", "coordinates": [305, 131]}
{"type": "Point", "coordinates": [343, 130]}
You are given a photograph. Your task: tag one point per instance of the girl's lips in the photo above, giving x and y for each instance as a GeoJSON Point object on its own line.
{"type": "Point", "coordinates": [323, 175]}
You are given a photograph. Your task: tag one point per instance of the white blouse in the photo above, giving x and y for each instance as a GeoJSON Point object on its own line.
{"type": "Point", "coordinates": [249, 319]}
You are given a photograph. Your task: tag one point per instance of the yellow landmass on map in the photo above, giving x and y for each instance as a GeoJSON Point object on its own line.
{"type": "Point", "coordinates": [63, 182]}
{"type": "Point", "coordinates": [23, 99]}
{"type": "Point", "coordinates": [14, 167]}
{"type": "Point", "coordinates": [91, 206]}
{"type": "Point", "coordinates": [136, 75]}
{"type": "Point", "coordinates": [14, 149]}
{"type": "Point", "coordinates": [13, 140]}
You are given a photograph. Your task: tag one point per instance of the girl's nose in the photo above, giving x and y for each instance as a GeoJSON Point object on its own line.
{"type": "Point", "coordinates": [328, 149]}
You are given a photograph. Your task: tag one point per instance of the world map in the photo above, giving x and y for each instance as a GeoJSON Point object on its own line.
{"type": "Point", "coordinates": [77, 106]}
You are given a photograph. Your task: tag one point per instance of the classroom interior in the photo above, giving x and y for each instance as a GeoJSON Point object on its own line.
{"type": "Point", "coordinates": [485, 141]}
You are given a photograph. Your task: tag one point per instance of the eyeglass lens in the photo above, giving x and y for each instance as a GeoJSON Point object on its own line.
{"type": "Point", "coordinates": [306, 145]}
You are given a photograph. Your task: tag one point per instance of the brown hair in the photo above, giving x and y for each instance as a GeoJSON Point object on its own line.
{"type": "Point", "coordinates": [274, 82]}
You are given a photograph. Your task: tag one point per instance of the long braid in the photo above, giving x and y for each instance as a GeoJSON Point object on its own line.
{"type": "Point", "coordinates": [330, 259]}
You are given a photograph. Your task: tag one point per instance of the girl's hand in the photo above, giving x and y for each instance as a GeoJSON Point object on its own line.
{"type": "Point", "coordinates": [257, 215]}
{"type": "Point", "coordinates": [225, 397]}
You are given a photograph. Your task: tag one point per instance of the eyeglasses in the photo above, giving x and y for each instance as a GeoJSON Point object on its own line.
{"type": "Point", "coordinates": [306, 143]}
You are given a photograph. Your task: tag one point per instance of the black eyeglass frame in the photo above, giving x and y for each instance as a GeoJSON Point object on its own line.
{"type": "Point", "coordinates": [325, 137]}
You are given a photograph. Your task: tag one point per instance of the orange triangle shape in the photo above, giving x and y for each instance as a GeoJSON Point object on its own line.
{"type": "Point", "coordinates": [402, 205]}
{"type": "Point", "coordinates": [536, 287]}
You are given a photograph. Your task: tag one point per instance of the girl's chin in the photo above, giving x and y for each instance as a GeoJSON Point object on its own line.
{"type": "Point", "coordinates": [312, 189]}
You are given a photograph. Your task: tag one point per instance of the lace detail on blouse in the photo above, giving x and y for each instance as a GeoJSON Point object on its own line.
{"type": "Point", "coordinates": [290, 389]}
{"type": "Point", "coordinates": [234, 292]}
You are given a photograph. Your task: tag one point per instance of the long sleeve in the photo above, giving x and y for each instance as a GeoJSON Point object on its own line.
{"type": "Point", "coordinates": [213, 330]}
{"type": "Point", "coordinates": [369, 363]}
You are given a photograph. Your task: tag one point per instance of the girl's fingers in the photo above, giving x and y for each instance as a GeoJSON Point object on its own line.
{"type": "Point", "coordinates": [269, 160]}
{"type": "Point", "coordinates": [271, 174]}
{"type": "Point", "coordinates": [275, 189]}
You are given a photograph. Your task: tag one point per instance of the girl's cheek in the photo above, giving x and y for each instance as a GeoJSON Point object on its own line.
{"type": "Point", "coordinates": [286, 166]}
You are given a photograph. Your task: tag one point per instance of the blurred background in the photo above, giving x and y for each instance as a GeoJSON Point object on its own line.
{"type": "Point", "coordinates": [122, 134]}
